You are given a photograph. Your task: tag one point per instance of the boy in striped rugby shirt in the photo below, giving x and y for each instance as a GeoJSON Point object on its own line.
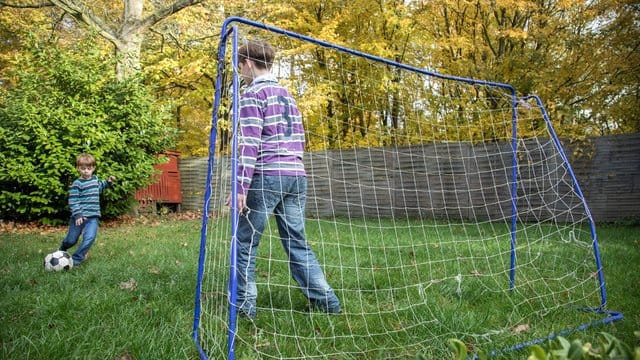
{"type": "Point", "coordinates": [84, 201]}
{"type": "Point", "coordinates": [272, 179]}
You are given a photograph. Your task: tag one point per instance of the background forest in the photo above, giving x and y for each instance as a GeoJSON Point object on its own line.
{"type": "Point", "coordinates": [142, 73]}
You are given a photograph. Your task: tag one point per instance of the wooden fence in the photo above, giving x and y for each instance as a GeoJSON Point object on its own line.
{"type": "Point", "coordinates": [456, 180]}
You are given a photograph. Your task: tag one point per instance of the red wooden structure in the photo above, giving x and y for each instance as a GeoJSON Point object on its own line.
{"type": "Point", "coordinates": [166, 190]}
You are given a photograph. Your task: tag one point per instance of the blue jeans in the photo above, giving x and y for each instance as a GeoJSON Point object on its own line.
{"type": "Point", "coordinates": [284, 196]}
{"type": "Point", "coordinates": [89, 230]}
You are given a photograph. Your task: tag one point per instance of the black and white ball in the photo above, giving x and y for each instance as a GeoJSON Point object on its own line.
{"type": "Point", "coordinates": [58, 261]}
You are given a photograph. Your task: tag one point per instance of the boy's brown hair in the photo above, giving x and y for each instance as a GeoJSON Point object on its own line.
{"type": "Point", "coordinates": [260, 52]}
{"type": "Point", "coordinates": [85, 160]}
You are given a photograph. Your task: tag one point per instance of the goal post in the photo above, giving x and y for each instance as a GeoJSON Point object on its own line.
{"type": "Point", "coordinates": [437, 206]}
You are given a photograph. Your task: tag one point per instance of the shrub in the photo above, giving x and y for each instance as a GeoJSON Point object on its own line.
{"type": "Point", "coordinates": [62, 103]}
{"type": "Point", "coordinates": [606, 347]}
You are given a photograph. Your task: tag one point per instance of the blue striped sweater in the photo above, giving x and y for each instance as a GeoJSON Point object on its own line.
{"type": "Point", "coordinates": [84, 197]}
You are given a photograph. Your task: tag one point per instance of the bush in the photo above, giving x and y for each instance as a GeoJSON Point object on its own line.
{"type": "Point", "coordinates": [60, 104]}
{"type": "Point", "coordinates": [606, 347]}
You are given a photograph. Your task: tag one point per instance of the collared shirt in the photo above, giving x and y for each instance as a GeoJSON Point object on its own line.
{"type": "Point", "coordinates": [271, 138]}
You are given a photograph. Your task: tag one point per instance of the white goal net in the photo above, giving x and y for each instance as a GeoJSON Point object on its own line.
{"type": "Point", "coordinates": [437, 207]}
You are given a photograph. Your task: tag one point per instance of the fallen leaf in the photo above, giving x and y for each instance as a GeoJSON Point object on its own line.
{"type": "Point", "coordinates": [130, 285]}
{"type": "Point", "coordinates": [125, 356]}
{"type": "Point", "coordinates": [520, 328]}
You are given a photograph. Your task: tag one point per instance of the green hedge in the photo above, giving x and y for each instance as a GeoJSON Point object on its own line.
{"type": "Point", "coordinates": [62, 103]}
{"type": "Point", "coordinates": [605, 347]}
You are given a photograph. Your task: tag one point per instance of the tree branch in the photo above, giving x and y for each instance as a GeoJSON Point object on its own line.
{"type": "Point", "coordinates": [163, 13]}
{"type": "Point", "coordinates": [84, 15]}
{"type": "Point", "coordinates": [30, 5]}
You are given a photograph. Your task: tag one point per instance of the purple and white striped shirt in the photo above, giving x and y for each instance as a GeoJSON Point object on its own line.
{"type": "Point", "coordinates": [271, 138]}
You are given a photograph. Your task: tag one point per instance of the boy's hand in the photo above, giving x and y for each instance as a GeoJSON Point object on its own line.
{"type": "Point", "coordinates": [79, 221]}
{"type": "Point", "coordinates": [242, 203]}
{"type": "Point", "coordinates": [111, 179]}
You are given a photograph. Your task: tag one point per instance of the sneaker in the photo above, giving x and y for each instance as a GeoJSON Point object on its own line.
{"type": "Point", "coordinates": [245, 314]}
{"type": "Point", "coordinates": [321, 308]}
{"type": "Point", "coordinates": [334, 310]}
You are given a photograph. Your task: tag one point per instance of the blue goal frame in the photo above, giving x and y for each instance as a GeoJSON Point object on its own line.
{"type": "Point", "coordinates": [229, 29]}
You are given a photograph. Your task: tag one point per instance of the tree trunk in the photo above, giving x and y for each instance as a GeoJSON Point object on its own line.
{"type": "Point", "coordinates": [126, 38]}
{"type": "Point", "coordinates": [127, 50]}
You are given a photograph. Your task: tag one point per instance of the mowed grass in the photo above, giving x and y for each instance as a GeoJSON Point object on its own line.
{"type": "Point", "coordinates": [387, 317]}
{"type": "Point", "coordinates": [134, 299]}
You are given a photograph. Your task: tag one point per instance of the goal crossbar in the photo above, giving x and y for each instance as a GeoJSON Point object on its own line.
{"type": "Point", "coordinates": [517, 188]}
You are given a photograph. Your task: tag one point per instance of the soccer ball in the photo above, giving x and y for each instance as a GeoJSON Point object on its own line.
{"type": "Point", "coordinates": [57, 261]}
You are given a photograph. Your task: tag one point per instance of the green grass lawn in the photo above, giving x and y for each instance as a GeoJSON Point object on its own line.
{"type": "Point", "coordinates": [134, 296]}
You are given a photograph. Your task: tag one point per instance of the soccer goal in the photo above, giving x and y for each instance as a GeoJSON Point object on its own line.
{"type": "Point", "coordinates": [439, 207]}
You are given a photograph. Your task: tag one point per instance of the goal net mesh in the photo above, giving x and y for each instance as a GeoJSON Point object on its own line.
{"type": "Point", "coordinates": [438, 208]}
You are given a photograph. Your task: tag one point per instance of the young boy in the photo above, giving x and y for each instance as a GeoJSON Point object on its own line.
{"type": "Point", "coordinates": [272, 179]}
{"type": "Point", "coordinates": [84, 201]}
